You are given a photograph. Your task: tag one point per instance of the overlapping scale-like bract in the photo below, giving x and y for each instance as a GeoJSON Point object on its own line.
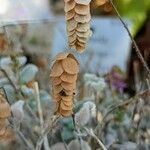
{"type": "Point", "coordinates": [77, 14]}
{"type": "Point", "coordinates": [63, 75]}
{"type": "Point", "coordinates": [5, 112]}
{"type": "Point", "coordinates": [105, 4]}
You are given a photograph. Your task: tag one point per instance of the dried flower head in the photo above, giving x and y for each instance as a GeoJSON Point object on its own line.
{"type": "Point", "coordinates": [77, 14]}
{"type": "Point", "coordinates": [63, 76]}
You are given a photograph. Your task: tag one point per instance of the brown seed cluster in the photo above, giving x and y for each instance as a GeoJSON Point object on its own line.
{"type": "Point", "coordinates": [105, 4]}
{"type": "Point", "coordinates": [63, 76]}
{"type": "Point", "coordinates": [5, 112]}
{"type": "Point", "coordinates": [77, 14]}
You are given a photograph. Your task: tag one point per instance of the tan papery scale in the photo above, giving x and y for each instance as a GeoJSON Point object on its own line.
{"type": "Point", "coordinates": [5, 112]}
{"type": "Point", "coordinates": [63, 76]}
{"type": "Point", "coordinates": [77, 14]}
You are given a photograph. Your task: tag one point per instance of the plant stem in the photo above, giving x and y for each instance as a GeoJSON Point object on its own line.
{"type": "Point", "coordinates": [91, 133]}
{"type": "Point", "coordinates": [132, 39]}
{"type": "Point", "coordinates": [37, 95]}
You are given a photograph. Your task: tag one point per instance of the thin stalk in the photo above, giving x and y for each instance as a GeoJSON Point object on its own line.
{"type": "Point", "coordinates": [132, 39]}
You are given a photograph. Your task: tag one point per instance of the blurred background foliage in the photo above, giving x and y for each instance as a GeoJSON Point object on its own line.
{"type": "Point", "coordinates": [136, 10]}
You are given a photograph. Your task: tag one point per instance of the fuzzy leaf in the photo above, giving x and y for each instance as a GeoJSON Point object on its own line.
{"type": "Point", "coordinates": [28, 73]}
{"type": "Point", "coordinates": [27, 91]}
{"type": "Point", "coordinates": [7, 61]}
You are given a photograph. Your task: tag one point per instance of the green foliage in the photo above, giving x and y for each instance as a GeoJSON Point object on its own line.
{"type": "Point", "coordinates": [136, 10]}
{"type": "Point", "coordinates": [68, 129]}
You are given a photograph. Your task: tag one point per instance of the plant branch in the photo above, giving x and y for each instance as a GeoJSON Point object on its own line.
{"type": "Point", "coordinates": [37, 97]}
{"type": "Point", "coordinates": [91, 133]}
{"type": "Point", "coordinates": [126, 102]}
{"type": "Point", "coordinates": [132, 39]}
{"type": "Point", "coordinates": [46, 131]}
{"type": "Point", "coordinates": [9, 79]}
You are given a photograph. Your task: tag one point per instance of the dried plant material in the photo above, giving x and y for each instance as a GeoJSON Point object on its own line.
{"type": "Point", "coordinates": [2, 122]}
{"type": "Point", "coordinates": [107, 7]}
{"type": "Point", "coordinates": [72, 38]}
{"type": "Point", "coordinates": [82, 18]}
{"type": "Point", "coordinates": [57, 69]}
{"type": "Point", "coordinates": [83, 2]}
{"type": "Point", "coordinates": [3, 42]}
{"type": "Point", "coordinates": [56, 81]}
{"type": "Point", "coordinates": [69, 5]}
{"type": "Point", "coordinates": [7, 137]}
{"type": "Point", "coordinates": [65, 112]}
{"type": "Point", "coordinates": [83, 27]}
{"type": "Point", "coordinates": [63, 86]}
{"type": "Point", "coordinates": [105, 4]}
{"type": "Point", "coordinates": [77, 14]}
{"type": "Point", "coordinates": [70, 66]}
{"type": "Point", "coordinates": [68, 77]}
{"type": "Point", "coordinates": [4, 108]}
{"type": "Point", "coordinates": [5, 112]}
{"type": "Point", "coordinates": [81, 39]}
{"type": "Point", "coordinates": [71, 32]}
{"type": "Point", "coordinates": [82, 9]}
{"type": "Point", "coordinates": [61, 56]}
{"type": "Point", "coordinates": [67, 98]}
{"type": "Point", "coordinates": [70, 14]}
{"type": "Point", "coordinates": [71, 24]}
{"type": "Point", "coordinates": [2, 131]}
{"type": "Point", "coordinates": [101, 2]}
{"type": "Point", "coordinates": [68, 86]}
{"type": "Point", "coordinates": [65, 107]}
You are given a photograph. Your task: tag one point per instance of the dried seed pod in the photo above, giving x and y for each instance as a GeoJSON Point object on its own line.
{"type": "Point", "coordinates": [77, 14]}
{"type": "Point", "coordinates": [64, 82]}
{"type": "Point", "coordinates": [4, 107]}
{"type": "Point", "coordinates": [100, 2]}
{"type": "Point", "coordinates": [4, 114]}
{"type": "Point", "coordinates": [105, 4]}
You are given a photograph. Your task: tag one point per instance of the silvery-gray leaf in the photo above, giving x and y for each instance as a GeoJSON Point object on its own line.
{"type": "Point", "coordinates": [28, 73]}
{"type": "Point", "coordinates": [6, 61]}
{"type": "Point", "coordinates": [11, 95]}
{"type": "Point", "coordinates": [22, 60]}
{"type": "Point", "coordinates": [58, 146]}
{"type": "Point", "coordinates": [125, 146]}
{"type": "Point", "coordinates": [44, 96]}
{"type": "Point", "coordinates": [75, 145]}
{"type": "Point", "coordinates": [17, 110]}
{"type": "Point", "coordinates": [3, 81]}
{"type": "Point", "coordinates": [27, 91]}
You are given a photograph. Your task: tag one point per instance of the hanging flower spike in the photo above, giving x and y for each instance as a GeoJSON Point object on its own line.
{"type": "Point", "coordinates": [77, 14]}
{"type": "Point", "coordinates": [63, 76]}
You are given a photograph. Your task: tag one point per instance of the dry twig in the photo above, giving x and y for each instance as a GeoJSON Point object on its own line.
{"type": "Point", "coordinates": [91, 133]}
{"type": "Point", "coordinates": [37, 97]}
